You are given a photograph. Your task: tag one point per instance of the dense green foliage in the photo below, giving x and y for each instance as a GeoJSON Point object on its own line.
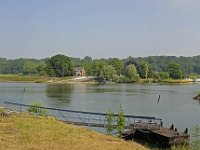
{"type": "Point", "coordinates": [115, 122]}
{"type": "Point", "coordinates": [131, 72]}
{"type": "Point", "coordinates": [109, 72]}
{"type": "Point", "coordinates": [117, 64]}
{"type": "Point", "coordinates": [35, 109]}
{"type": "Point", "coordinates": [155, 67]}
{"type": "Point", "coordinates": [109, 122]}
{"type": "Point", "coordinates": [23, 66]}
{"type": "Point", "coordinates": [174, 70]}
{"type": "Point", "coordinates": [120, 122]}
{"type": "Point", "coordinates": [59, 66]}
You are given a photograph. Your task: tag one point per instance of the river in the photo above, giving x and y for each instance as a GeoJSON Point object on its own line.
{"type": "Point", "coordinates": [175, 106]}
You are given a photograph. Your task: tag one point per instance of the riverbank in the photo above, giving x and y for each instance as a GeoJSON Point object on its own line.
{"type": "Point", "coordinates": [46, 79]}
{"type": "Point", "coordinates": [22, 78]}
{"type": "Point", "coordinates": [74, 79]}
{"type": "Point", "coordinates": [181, 81]}
{"type": "Point", "coordinates": [34, 79]}
{"type": "Point", "coordinates": [25, 131]}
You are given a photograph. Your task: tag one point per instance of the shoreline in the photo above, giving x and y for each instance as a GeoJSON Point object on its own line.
{"type": "Point", "coordinates": [19, 127]}
{"type": "Point", "coordinates": [78, 80]}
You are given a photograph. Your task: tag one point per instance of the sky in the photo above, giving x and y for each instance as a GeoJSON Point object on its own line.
{"type": "Point", "coordinates": [99, 28]}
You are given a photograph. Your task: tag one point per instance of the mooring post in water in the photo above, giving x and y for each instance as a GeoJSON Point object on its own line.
{"type": "Point", "coordinates": [186, 131]}
{"type": "Point", "coordinates": [158, 99]}
{"type": "Point", "coordinates": [172, 127]}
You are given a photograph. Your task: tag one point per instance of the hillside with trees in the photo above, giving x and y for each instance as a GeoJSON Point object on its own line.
{"type": "Point", "coordinates": [120, 70]}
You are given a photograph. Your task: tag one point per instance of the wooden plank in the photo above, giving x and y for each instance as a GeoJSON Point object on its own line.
{"type": "Point", "coordinates": [165, 132]}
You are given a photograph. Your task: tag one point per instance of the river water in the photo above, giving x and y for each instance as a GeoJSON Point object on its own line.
{"type": "Point", "coordinates": [175, 106]}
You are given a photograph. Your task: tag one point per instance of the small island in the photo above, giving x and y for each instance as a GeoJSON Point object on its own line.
{"type": "Point", "coordinates": [197, 97]}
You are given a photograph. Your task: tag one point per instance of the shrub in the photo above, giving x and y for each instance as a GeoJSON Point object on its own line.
{"type": "Point", "coordinates": [120, 121]}
{"type": "Point", "coordinates": [109, 122]}
{"type": "Point", "coordinates": [35, 109]}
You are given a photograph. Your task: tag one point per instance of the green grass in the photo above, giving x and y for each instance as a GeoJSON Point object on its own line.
{"type": "Point", "coordinates": [34, 78]}
{"type": "Point", "coordinates": [24, 132]}
{"type": "Point", "coordinates": [194, 76]}
{"type": "Point", "coordinates": [22, 78]}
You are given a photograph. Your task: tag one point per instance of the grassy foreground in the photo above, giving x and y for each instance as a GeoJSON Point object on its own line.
{"type": "Point", "coordinates": [40, 133]}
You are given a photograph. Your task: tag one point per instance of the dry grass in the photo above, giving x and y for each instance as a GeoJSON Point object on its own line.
{"type": "Point", "coordinates": [32, 78]}
{"type": "Point", "coordinates": [40, 133]}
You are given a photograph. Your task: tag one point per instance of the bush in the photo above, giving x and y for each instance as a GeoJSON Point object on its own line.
{"type": "Point", "coordinates": [109, 122]}
{"type": "Point", "coordinates": [120, 79]}
{"type": "Point", "coordinates": [34, 108]}
{"type": "Point", "coordinates": [120, 121]}
{"type": "Point", "coordinates": [163, 75]}
{"type": "Point", "coordinates": [115, 122]}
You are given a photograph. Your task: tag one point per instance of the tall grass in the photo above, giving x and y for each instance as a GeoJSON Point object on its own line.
{"type": "Point", "coordinates": [45, 133]}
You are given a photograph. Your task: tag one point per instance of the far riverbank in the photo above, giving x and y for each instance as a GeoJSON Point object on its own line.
{"type": "Point", "coordinates": [74, 79]}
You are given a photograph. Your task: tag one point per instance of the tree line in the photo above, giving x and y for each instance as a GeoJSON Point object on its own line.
{"type": "Point", "coordinates": [120, 70]}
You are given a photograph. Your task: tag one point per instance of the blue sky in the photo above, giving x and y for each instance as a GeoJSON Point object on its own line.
{"type": "Point", "coordinates": [99, 28]}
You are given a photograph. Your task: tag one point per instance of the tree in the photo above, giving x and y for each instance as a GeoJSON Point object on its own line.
{"type": "Point", "coordinates": [4, 65]}
{"type": "Point", "coordinates": [134, 61]}
{"type": "Point", "coordinates": [41, 68]}
{"type": "Point", "coordinates": [59, 65]}
{"type": "Point", "coordinates": [121, 121]}
{"type": "Point", "coordinates": [87, 59]}
{"type": "Point", "coordinates": [131, 72]}
{"type": "Point", "coordinates": [174, 70]}
{"type": "Point", "coordinates": [144, 69]}
{"type": "Point", "coordinates": [16, 66]}
{"type": "Point", "coordinates": [163, 75]}
{"type": "Point", "coordinates": [109, 72]}
{"type": "Point", "coordinates": [88, 68]}
{"type": "Point", "coordinates": [29, 68]}
{"type": "Point", "coordinates": [109, 122]}
{"type": "Point", "coordinates": [97, 67]}
{"type": "Point", "coordinates": [117, 64]}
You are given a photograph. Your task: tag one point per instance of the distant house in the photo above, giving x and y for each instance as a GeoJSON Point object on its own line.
{"type": "Point", "coordinates": [79, 71]}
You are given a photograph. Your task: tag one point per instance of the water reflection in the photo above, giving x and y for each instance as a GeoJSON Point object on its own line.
{"type": "Point", "coordinates": [59, 94]}
{"type": "Point", "coordinates": [176, 104]}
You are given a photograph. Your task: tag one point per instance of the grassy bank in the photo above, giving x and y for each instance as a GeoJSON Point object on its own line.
{"type": "Point", "coordinates": [44, 79]}
{"type": "Point", "coordinates": [174, 81]}
{"type": "Point", "coordinates": [22, 78]}
{"type": "Point", "coordinates": [35, 79]}
{"type": "Point", "coordinates": [27, 132]}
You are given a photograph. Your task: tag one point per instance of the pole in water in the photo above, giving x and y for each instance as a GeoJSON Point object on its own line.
{"type": "Point", "coordinates": [22, 98]}
{"type": "Point", "coordinates": [158, 99]}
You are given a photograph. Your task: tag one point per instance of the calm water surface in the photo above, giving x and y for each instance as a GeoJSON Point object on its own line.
{"type": "Point", "coordinates": [175, 106]}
